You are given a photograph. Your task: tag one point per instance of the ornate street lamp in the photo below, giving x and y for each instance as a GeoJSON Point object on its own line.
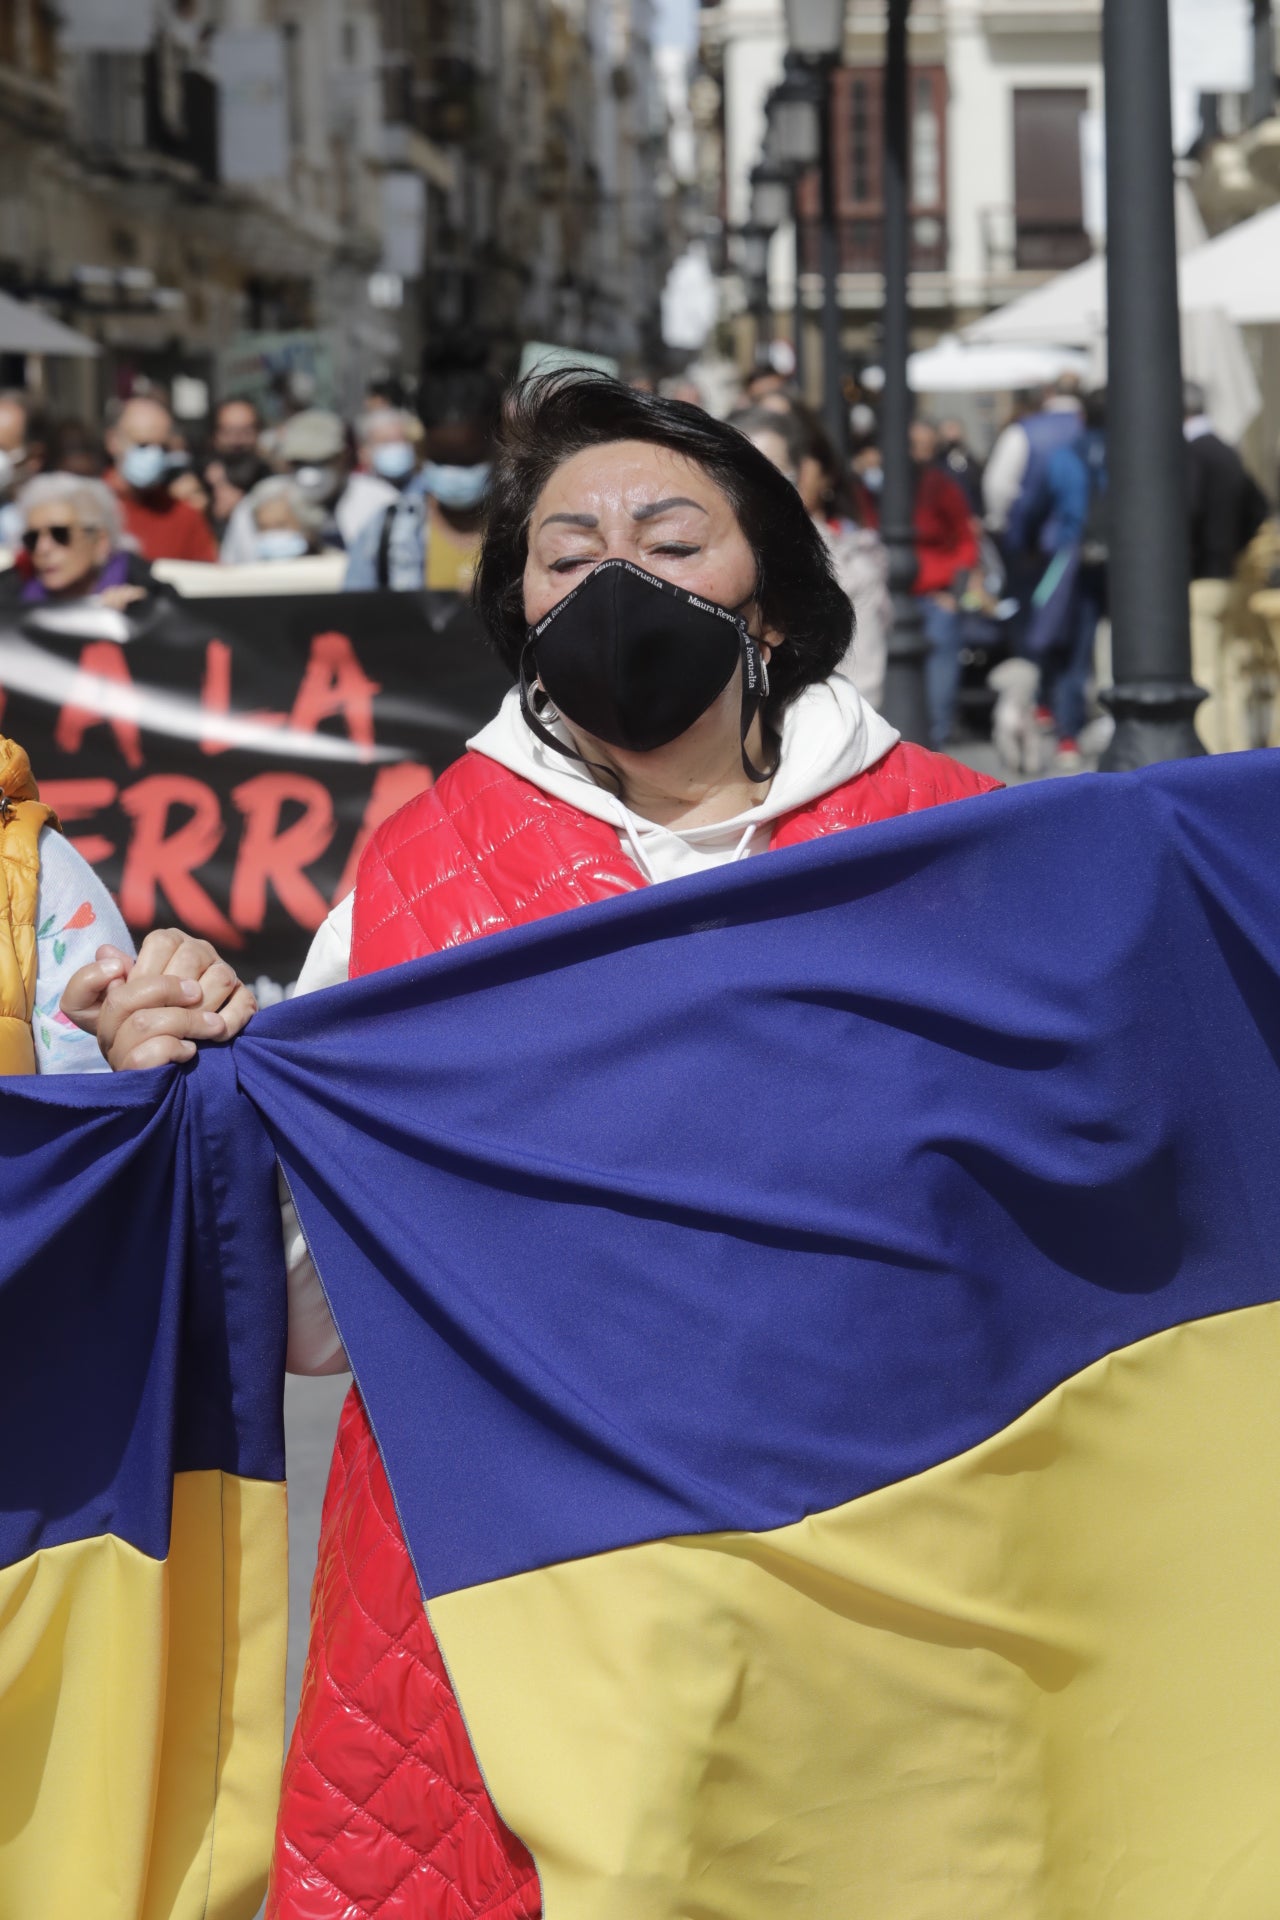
{"type": "Point", "coordinates": [770, 196]}
{"type": "Point", "coordinates": [793, 143]}
{"type": "Point", "coordinates": [815, 37]}
{"type": "Point", "coordinates": [904, 687]}
{"type": "Point", "coordinates": [1154, 698]}
{"type": "Point", "coordinates": [815, 29]}
{"type": "Point", "coordinates": [752, 251]}
{"type": "Point", "coordinates": [794, 138]}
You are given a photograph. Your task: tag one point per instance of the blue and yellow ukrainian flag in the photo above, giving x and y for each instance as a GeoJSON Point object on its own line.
{"type": "Point", "coordinates": [142, 1508]}
{"type": "Point", "coordinates": [822, 1326]}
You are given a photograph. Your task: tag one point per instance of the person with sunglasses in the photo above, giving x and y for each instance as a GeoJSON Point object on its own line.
{"type": "Point", "coordinates": [70, 548]}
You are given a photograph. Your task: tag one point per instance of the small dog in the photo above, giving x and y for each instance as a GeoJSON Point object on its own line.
{"type": "Point", "coordinates": [1018, 737]}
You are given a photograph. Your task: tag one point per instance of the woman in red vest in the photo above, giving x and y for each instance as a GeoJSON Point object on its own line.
{"type": "Point", "coordinates": [669, 612]}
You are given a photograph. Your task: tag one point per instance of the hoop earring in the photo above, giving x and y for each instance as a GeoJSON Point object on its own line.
{"type": "Point", "coordinates": [764, 677]}
{"type": "Point", "coordinates": [548, 712]}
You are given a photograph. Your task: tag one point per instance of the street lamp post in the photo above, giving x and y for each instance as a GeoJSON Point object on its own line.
{"type": "Point", "coordinates": [770, 205]}
{"type": "Point", "coordinates": [1154, 698]}
{"type": "Point", "coordinates": [793, 144]}
{"type": "Point", "coordinates": [815, 34]}
{"type": "Point", "coordinates": [1263, 91]}
{"type": "Point", "coordinates": [753, 258]}
{"type": "Point", "coordinates": [904, 688]}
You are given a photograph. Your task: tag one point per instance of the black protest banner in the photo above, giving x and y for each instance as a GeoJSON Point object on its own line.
{"type": "Point", "coordinates": [221, 762]}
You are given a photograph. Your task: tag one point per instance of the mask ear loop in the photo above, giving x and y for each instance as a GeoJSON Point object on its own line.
{"type": "Point", "coordinates": [543, 732]}
{"type": "Point", "coordinates": [755, 691]}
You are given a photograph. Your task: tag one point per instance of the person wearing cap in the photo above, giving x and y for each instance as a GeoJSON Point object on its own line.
{"type": "Point", "coordinates": [313, 447]}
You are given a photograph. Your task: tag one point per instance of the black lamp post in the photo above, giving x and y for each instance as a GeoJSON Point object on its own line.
{"type": "Point", "coordinates": [793, 142]}
{"type": "Point", "coordinates": [1154, 698]}
{"type": "Point", "coordinates": [904, 688]}
{"type": "Point", "coordinates": [815, 36]}
{"type": "Point", "coordinates": [770, 205]}
{"type": "Point", "coordinates": [753, 259]}
{"type": "Point", "coordinates": [770, 196]}
{"type": "Point", "coordinates": [1262, 93]}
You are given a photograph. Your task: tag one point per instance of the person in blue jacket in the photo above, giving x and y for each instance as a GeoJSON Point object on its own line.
{"type": "Point", "coordinates": [429, 538]}
{"type": "Point", "coordinates": [1071, 596]}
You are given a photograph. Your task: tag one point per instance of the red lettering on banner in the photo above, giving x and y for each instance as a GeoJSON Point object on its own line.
{"type": "Point", "coordinates": [393, 788]}
{"type": "Point", "coordinates": [80, 800]}
{"type": "Point", "coordinates": [156, 858]}
{"type": "Point", "coordinates": [215, 698]}
{"type": "Point", "coordinates": [335, 682]}
{"type": "Point", "coordinates": [106, 661]}
{"type": "Point", "coordinates": [268, 855]}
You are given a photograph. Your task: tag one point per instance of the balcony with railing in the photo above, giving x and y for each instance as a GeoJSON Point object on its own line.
{"type": "Point", "coordinates": [860, 244]}
{"type": "Point", "coordinates": [1013, 243]}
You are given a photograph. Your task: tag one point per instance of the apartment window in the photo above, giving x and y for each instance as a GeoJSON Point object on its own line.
{"type": "Point", "coordinates": [858, 145]}
{"type": "Point", "coordinates": [111, 115]}
{"type": "Point", "coordinates": [1048, 183]}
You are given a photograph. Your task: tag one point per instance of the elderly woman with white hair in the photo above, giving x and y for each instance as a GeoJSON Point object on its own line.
{"type": "Point", "coordinates": [287, 525]}
{"type": "Point", "coordinates": [71, 547]}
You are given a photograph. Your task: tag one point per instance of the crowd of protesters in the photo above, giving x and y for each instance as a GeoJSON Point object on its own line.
{"type": "Point", "coordinates": [1010, 555]}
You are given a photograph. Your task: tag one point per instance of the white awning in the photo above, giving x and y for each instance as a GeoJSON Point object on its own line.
{"type": "Point", "coordinates": [1068, 311]}
{"type": "Point", "coordinates": [1221, 288]}
{"type": "Point", "coordinates": [961, 366]}
{"type": "Point", "coordinates": [1239, 272]}
{"type": "Point", "coordinates": [24, 329]}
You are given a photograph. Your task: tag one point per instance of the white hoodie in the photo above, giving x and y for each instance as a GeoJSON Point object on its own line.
{"type": "Point", "coordinates": [829, 734]}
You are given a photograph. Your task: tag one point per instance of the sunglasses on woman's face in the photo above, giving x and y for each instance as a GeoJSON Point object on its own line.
{"type": "Point", "coordinates": [62, 535]}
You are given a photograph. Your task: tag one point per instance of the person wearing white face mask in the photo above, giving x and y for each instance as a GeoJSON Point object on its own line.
{"type": "Point", "coordinates": [430, 537]}
{"type": "Point", "coordinates": [160, 526]}
{"type": "Point", "coordinates": [287, 526]}
{"type": "Point", "coordinates": [313, 446]}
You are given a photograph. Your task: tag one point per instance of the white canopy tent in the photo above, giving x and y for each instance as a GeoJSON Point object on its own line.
{"type": "Point", "coordinates": [1071, 311]}
{"type": "Point", "coordinates": [24, 329]}
{"type": "Point", "coordinates": [1239, 272]}
{"type": "Point", "coordinates": [958, 366]}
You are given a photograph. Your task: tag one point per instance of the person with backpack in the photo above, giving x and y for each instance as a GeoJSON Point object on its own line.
{"type": "Point", "coordinates": [429, 537]}
{"type": "Point", "coordinates": [1066, 610]}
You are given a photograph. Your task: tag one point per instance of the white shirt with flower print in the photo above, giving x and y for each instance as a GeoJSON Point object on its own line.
{"type": "Point", "coordinates": [75, 915]}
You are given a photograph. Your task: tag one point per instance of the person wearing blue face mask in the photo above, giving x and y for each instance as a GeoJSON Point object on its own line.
{"type": "Point", "coordinates": [286, 525]}
{"type": "Point", "coordinates": [430, 537]}
{"type": "Point", "coordinates": [161, 526]}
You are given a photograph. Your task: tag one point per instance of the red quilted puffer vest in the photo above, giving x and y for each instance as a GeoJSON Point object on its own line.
{"type": "Point", "coordinates": [383, 1810]}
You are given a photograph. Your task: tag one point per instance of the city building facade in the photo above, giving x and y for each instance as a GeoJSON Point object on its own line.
{"type": "Point", "coordinates": [1005, 114]}
{"type": "Point", "coordinates": [303, 195]}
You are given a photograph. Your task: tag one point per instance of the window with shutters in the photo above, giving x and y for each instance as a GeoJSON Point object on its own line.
{"type": "Point", "coordinates": [111, 104]}
{"type": "Point", "coordinates": [857, 133]}
{"type": "Point", "coordinates": [1048, 182]}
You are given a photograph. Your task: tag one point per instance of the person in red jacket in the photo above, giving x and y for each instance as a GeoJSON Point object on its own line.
{"type": "Point", "coordinates": [161, 526]}
{"type": "Point", "coordinates": [669, 612]}
{"type": "Point", "coordinates": [946, 552]}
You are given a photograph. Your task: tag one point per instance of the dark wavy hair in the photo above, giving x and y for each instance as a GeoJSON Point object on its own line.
{"type": "Point", "coordinates": [549, 417]}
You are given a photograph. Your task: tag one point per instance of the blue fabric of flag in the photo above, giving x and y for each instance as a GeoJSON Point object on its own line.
{"type": "Point", "coordinates": [737, 1198]}
{"type": "Point", "coordinates": [141, 1301]}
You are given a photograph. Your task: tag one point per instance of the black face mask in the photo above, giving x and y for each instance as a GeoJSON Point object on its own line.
{"type": "Point", "coordinates": [636, 661]}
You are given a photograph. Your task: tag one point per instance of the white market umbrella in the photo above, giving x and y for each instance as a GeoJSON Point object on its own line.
{"type": "Point", "coordinates": [1238, 273]}
{"type": "Point", "coordinates": [1068, 311]}
{"type": "Point", "coordinates": [1071, 311]}
{"type": "Point", "coordinates": [24, 329]}
{"type": "Point", "coordinates": [958, 366]}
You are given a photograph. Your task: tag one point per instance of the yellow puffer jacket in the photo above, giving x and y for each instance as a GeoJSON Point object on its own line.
{"type": "Point", "coordinates": [21, 818]}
